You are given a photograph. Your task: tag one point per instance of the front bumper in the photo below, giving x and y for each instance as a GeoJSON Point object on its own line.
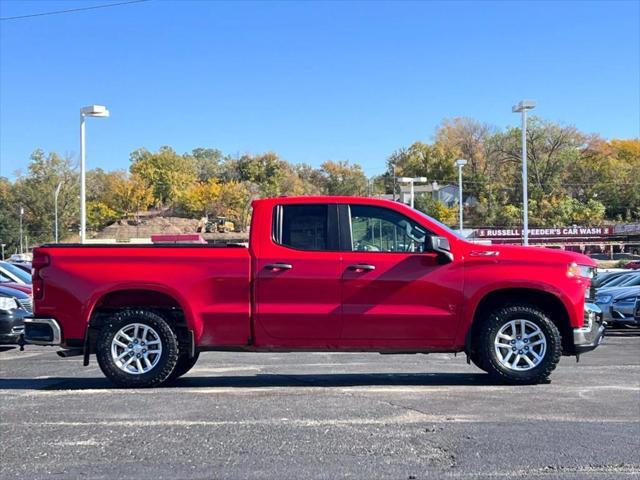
{"type": "Point", "coordinates": [42, 331]}
{"type": "Point", "coordinates": [589, 336]}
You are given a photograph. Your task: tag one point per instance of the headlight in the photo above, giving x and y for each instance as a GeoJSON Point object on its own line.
{"type": "Point", "coordinates": [604, 299]}
{"type": "Point", "coordinates": [8, 303]}
{"type": "Point", "coordinates": [578, 271]}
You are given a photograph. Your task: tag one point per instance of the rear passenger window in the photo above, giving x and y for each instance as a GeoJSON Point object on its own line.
{"type": "Point", "coordinates": [303, 227]}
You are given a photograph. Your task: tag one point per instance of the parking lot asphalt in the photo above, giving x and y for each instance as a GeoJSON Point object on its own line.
{"type": "Point", "coordinates": [319, 415]}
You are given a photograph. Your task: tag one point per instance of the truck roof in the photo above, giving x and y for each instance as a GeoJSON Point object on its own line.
{"type": "Point", "coordinates": [325, 199]}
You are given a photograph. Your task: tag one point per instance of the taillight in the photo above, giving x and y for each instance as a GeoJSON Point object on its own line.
{"type": "Point", "coordinates": [40, 260]}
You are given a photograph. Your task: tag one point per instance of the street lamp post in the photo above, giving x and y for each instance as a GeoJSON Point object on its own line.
{"type": "Point", "coordinates": [55, 208]}
{"type": "Point", "coordinates": [89, 111]}
{"type": "Point", "coordinates": [21, 243]}
{"type": "Point", "coordinates": [2, 245]}
{"type": "Point", "coordinates": [411, 181]}
{"type": "Point", "coordinates": [394, 181]}
{"type": "Point", "coordinates": [460, 163]}
{"type": "Point", "coordinates": [522, 108]}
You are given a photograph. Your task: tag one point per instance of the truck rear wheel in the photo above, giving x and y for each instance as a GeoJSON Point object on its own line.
{"type": "Point", "coordinates": [519, 344]}
{"type": "Point", "coordinates": [184, 364]}
{"type": "Point", "coordinates": [137, 348]}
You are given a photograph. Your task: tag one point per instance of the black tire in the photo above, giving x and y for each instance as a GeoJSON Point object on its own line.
{"type": "Point", "coordinates": [185, 363]}
{"type": "Point", "coordinates": [166, 364]}
{"type": "Point", "coordinates": [488, 358]}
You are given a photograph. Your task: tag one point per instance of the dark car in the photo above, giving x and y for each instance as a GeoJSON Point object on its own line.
{"type": "Point", "coordinates": [634, 265]}
{"type": "Point", "coordinates": [15, 305]}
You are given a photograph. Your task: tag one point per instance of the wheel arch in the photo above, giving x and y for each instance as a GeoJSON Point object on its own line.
{"type": "Point", "coordinates": [549, 303]}
{"type": "Point", "coordinates": [146, 297]}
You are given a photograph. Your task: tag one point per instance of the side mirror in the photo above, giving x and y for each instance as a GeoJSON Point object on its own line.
{"type": "Point", "coordinates": [441, 246]}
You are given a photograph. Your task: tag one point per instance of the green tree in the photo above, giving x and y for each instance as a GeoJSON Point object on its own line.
{"type": "Point", "coordinates": [436, 209]}
{"type": "Point", "coordinates": [166, 172]}
{"type": "Point", "coordinates": [208, 162]}
{"type": "Point", "coordinates": [9, 217]}
{"type": "Point", "coordinates": [343, 178]}
{"type": "Point", "coordinates": [35, 193]}
{"type": "Point", "coordinates": [268, 171]}
{"type": "Point", "coordinates": [436, 162]}
{"type": "Point", "coordinates": [131, 195]}
{"type": "Point", "coordinates": [201, 198]}
{"type": "Point", "coordinates": [99, 215]}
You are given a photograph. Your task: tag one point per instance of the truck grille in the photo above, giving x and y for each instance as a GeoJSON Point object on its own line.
{"type": "Point", "coordinates": [26, 303]}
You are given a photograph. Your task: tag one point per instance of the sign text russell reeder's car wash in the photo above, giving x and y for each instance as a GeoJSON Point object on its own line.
{"type": "Point", "coordinates": [554, 233]}
{"type": "Point", "coordinates": [608, 238]}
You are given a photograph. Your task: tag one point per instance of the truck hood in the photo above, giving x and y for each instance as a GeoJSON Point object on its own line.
{"type": "Point", "coordinates": [516, 252]}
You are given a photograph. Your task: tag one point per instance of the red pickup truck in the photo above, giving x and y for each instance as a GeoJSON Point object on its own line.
{"type": "Point", "coordinates": [319, 274]}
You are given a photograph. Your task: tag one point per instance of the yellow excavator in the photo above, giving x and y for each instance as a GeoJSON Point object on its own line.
{"type": "Point", "coordinates": [223, 225]}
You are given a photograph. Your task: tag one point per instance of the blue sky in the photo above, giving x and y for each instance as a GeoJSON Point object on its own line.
{"type": "Point", "coordinates": [310, 81]}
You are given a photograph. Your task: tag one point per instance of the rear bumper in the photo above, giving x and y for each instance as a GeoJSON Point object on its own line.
{"type": "Point", "coordinates": [42, 331]}
{"type": "Point", "coordinates": [589, 336]}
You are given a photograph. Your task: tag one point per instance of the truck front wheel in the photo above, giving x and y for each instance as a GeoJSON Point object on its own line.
{"type": "Point", "coordinates": [185, 363]}
{"type": "Point", "coordinates": [519, 344]}
{"type": "Point", "coordinates": [137, 348]}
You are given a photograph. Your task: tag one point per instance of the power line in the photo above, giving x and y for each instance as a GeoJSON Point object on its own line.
{"type": "Point", "coordinates": [73, 10]}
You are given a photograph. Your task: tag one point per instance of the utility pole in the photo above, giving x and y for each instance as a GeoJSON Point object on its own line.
{"type": "Point", "coordinates": [522, 108]}
{"type": "Point", "coordinates": [55, 208]}
{"type": "Point", "coordinates": [21, 242]}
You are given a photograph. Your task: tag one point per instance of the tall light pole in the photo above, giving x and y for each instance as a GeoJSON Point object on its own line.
{"type": "Point", "coordinates": [89, 111]}
{"type": "Point", "coordinates": [411, 181]}
{"type": "Point", "coordinates": [21, 243]}
{"type": "Point", "coordinates": [522, 108]}
{"type": "Point", "coordinates": [2, 245]}
{"type": "Point", "coordinates": [460, 163]}
{"type": "Point", "coordinates": [55, 208]}
{"type": "Point", "coordinates": [394, 181]}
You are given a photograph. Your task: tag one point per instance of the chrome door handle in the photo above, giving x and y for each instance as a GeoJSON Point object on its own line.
{"type": "Point", "coordinates": [278, 266]}
{"type": "Point", "coordinates": [362, 267]}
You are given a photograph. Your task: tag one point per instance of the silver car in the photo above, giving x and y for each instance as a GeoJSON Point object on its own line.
{"type": "Point", "coordinates": [618, 305]}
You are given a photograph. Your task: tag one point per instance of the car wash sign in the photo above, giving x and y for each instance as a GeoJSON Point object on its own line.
{"type": "Point", "coordinates": [546, 233]}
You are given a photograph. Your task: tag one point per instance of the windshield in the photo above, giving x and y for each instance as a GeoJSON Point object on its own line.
{"type": "Point", "coordinates": [631, 282]}
{"type": "Point", "coordinates": [618, 280]}
{"type": "Point", "coordinates": [439, 223]}
{"type": "Point", "coordinates": [17, 272]}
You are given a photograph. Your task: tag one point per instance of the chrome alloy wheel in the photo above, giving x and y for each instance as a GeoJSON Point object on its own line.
{"type": "Point", "coordinates": [136, 348]}
{"type": "Point", "coordinates": [520, 345]}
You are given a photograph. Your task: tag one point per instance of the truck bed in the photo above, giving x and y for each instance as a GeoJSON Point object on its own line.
{"type": "Point", "coordinates": [211, 284]}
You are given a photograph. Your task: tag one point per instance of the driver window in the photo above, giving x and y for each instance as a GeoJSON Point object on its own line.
{"type": "Point", "coordinates": [377, 229]}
